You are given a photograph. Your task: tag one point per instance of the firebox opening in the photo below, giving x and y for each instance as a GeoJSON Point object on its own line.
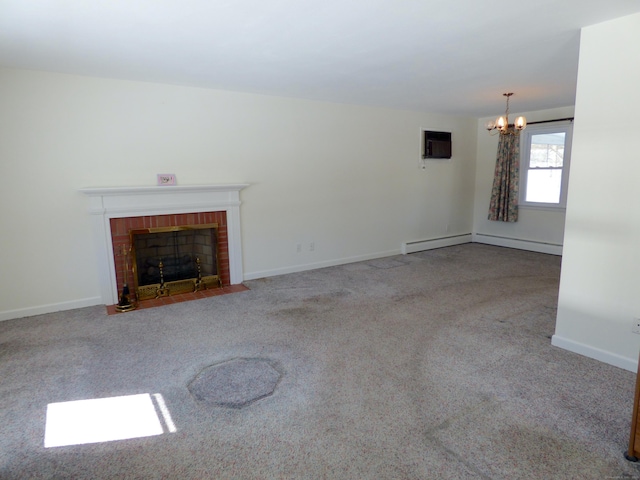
{"type": "Point", "coordinates": [172, 260]}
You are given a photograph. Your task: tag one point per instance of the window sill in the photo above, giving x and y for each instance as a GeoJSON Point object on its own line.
{"type": "Point", "coordinates": [545, 208]}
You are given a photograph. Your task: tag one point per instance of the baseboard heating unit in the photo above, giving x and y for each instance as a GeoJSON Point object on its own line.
{"type": "Point", "coordinates": [531, 245]}
{"type": "Point", "coordinates": [429, 244]}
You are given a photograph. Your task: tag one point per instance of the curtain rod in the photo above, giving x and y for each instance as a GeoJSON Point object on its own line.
{"type": "Point", "coordinates": [570, 119]}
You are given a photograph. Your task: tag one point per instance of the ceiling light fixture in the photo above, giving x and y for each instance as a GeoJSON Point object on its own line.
{"type": "Point", "coordinates": [501, 124]}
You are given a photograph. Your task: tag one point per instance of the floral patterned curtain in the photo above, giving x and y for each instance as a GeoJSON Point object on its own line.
{"type": "Point", "coordinates": [504, 195]}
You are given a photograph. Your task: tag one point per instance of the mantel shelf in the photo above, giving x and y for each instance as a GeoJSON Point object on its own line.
{"type": "Point", "coordinates": [166, 189]}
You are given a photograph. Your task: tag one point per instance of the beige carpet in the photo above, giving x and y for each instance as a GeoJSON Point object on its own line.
{"type": "Point", "coordinates": [435, 365]}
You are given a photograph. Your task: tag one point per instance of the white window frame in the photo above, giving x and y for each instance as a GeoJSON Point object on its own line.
{"type": "Point", "coordinates": [525, 151]}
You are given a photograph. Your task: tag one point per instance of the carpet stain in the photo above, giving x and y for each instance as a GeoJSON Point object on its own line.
{"type": "Point", "coordinates": [235, 383]}
{"type": "Point", "coordinates": [538, 452]}
{"type": "Point", "coordinates": [387, 263]}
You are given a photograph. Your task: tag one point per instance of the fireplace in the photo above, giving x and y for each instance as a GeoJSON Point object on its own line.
{"type": "Point", "coordinates": [119, 211]}
{"type": "Point", "coordinates": [165, 255]}
{"type": "Point", "coordinates": [172, 260]}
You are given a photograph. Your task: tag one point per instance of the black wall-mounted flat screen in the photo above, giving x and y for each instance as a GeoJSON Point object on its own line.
{"type": "Point", "coordinates": [436, 144]}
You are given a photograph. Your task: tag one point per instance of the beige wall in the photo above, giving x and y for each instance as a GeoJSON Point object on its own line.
{"type": "Point", "coordinates": [600, 283]}
{"type": "Point", "coordinates": [545, 227]}
{"type": "Point", "coordinates": [345, 177]}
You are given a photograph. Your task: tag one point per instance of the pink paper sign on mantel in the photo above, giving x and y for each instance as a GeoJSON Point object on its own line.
{"type": "Point", "coordinates": [166, 179]}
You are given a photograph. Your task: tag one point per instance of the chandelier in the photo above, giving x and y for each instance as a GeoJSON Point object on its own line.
{"type": "Point", "coordinates": [501, 124]}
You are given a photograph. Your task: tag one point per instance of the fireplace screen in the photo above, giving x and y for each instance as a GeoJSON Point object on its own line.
{"type": "Point", "coordinates": [172, 260]}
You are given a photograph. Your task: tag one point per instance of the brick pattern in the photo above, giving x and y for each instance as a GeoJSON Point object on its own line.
{"type": "Point", "coordinates": [120, 228]}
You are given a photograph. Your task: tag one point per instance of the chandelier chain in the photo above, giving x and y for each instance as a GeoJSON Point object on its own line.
{"type": "Point", "coordinates": [506, 113]}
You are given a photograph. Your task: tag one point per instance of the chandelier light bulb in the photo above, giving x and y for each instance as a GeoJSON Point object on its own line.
{"type": "Point", "coordinates": [501, 123]}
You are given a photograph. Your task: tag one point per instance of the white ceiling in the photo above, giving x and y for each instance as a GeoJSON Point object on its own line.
{"type": "Point", "coordinates": [454, 56]}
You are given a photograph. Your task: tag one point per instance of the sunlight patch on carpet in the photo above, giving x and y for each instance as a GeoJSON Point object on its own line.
{"type": "Point", "coordinates": [105, 419]}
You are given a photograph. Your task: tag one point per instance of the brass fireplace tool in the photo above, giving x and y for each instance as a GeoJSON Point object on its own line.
{"type": "Point", "coordinates": [162, 290]}
{"type": "Point", "coordinates": [125, 304]}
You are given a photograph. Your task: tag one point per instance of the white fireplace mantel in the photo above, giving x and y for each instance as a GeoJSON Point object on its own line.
{"type": "Point", "coordinates": [119, 202]}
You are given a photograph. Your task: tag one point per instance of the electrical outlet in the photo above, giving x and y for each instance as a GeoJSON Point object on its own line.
{"type": "Point", "coordinates": [312, 246]}
{"type": "Point", "coordinates": [635, 326]}
{"type": "Point", "coordinates": [298, 248]}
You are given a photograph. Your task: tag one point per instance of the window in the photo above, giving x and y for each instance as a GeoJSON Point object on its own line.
{"type": "Point", "coordinates": [545, 151]}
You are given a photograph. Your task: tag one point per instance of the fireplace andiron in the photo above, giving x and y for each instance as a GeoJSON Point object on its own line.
{"type": "Point", "coordinates": [199, 284]}
{"type": "Point", "coordinates": [162, 290]}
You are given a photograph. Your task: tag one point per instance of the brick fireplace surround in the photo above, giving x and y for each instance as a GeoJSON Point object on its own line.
{"type": "Point", "coordinates": [120, 228]}
{"type": "Point", "coordinates": [116, 210]}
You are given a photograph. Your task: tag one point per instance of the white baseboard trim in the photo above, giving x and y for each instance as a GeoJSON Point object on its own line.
{"type": "Point", "coordinates": [595, 353]}
{"type": "Point", "coordinates": [531, 245]}
{"type": "Point", "coordinates": [50, 308]}
{"type": "Point", "coordinates": [420, 245]}
{"type": "Point", "coordinates": [312, 266]}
